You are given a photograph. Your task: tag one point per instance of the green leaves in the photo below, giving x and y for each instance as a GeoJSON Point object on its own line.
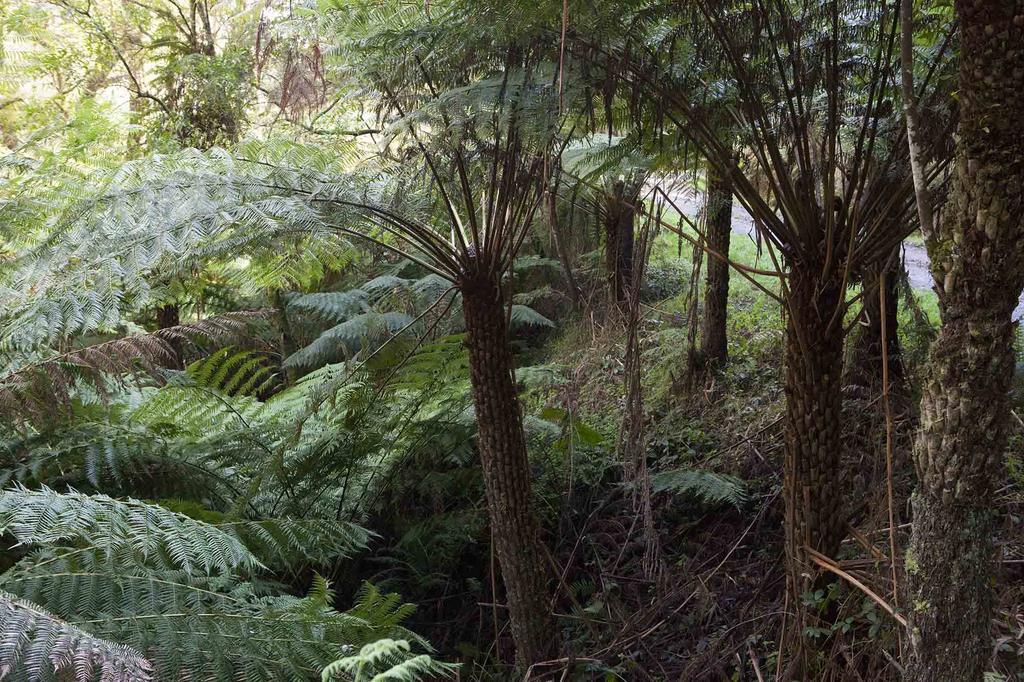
{"type": "Point", "coordinates": [290, 543]}
{"type": "Point", "coordinates": [524, 316]}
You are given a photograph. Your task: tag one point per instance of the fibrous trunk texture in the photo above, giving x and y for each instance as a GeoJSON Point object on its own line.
{"type": "Point", "coordinates": [506, 472]}
{"type": "Point", "coordinates": [714, 342]}
{"type": "Point", "coordinates": [977, 259]}
{"type": "Point", "coordinates": [866, 366]}
{"type": "Point", "coordinates": [812, 467]}
{"type": "Point", "coordinates": [619, 215]}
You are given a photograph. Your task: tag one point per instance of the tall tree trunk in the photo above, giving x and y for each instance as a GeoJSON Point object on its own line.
{"type": "Point", "coordinates": [168, 316]}
{"type": "Point", "coordinates": [812, 467]}
{"type": "Point", "coordinates": [978, 264]}
{"type": "Point", "coordinates": [714, 342]}
{"type": "Point", "coordinates": [866, 365]}
{"type": "Point", "coordinates": [620, 211]}
{"type": "Point", "coordinates": [506, 471]}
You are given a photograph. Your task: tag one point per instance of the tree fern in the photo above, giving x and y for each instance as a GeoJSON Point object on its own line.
{"type": "Point", "coordinates": [35, 645]}
{"type": "Point", "coordinates": [165, 583]}
{"type": "Point", "coordinates": [45, 517]}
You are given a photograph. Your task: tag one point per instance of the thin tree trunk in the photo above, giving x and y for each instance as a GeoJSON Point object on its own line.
{"type": "Point", "coordinates": [714, 342]}
{"type": "Point", "coordinates": [619, 215]}
{"type": "Point", "coordinates": [506, 472]}
{"type": "Point", "coordinates": [866, 365]}
{"type": "Point", "coordinates": [978, 265]}
{"type": "Point", "coordinates": [562, 251]}
{"type": "Point", "coordinates": [285, 328]}
{"type": "Point", "coordinates": [168, 316]}
{"type": "Point", "coordinates": [812, 466]}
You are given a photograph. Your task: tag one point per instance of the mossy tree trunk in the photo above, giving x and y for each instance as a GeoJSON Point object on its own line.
{"type": "Point", "coordinates": [506, 470]}
{"type": "Point", "coordinates": [812, 473]}
{"type": "Point", "coordinates": [714, 341]}
{"type": "Point", "coordinates": [977, 259]}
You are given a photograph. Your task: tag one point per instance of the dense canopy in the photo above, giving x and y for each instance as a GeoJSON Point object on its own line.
{"type": "Point", "coordinates": [511, 340]}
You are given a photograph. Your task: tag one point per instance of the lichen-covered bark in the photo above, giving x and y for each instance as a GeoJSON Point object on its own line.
{"type": "Point", "coordinates": [977, 259]}
{"type": "Point", "coordinates": [714, 341]}
{"type": "Point", "coordinates": [812, 466]}
{"type": "Point", "coordinates": [619, 216]}
{"type": "Point", "coordinates": [506, 471]}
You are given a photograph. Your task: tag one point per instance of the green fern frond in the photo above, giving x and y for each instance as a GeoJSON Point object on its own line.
{"type": "Point", "coordinates": [37, 388]}
{"type": "Point", "coordinates": [290, 543]}
{"type": "Point", "coordinates": [710, 487]}
{"type": "Point", "coordinates": [198, 410]}
{"type": "Point", "coordinates": [37, 646]}
{"type": "Point", "coordinates": [45, 517]}
{"type": "Point", "coordinates": [385, 610]}
{"type": "Point", "coordinates": [347, 338]}
{"type": "Point", "coordinates": [332, 306]}
{"type": "Point", "coordinates": [541, 376]}
{"type": "Point", "coordinates": [387, 660]}
{"type": "Point", "coordinates": [233, 372]}
{"type": "Point", "coordinates": [526, 317]}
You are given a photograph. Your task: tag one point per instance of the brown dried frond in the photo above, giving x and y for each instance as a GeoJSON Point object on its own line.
{"type": "Point", "coordinates": [39, 390]}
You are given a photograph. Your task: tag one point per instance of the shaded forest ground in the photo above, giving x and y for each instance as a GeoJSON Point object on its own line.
{"type": "Point", "coordinates": [715, 609]}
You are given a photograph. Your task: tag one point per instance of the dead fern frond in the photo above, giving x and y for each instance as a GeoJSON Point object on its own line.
{"type": "Point", "coordinates": [39, 389]}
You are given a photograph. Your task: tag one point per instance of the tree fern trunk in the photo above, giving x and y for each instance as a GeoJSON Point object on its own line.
{"type": "Point", "coordinates": [714, 342]}
{"type": "Point", "coordinates": [168, 316]}
{"type": "Point", "coordinates": [506, 471]}
{"type": "Point", "coordinates": [619, 215]}
{"type": "Point", "coordinates": [978, 264]}
{"type": "Point", "coordinates": [866, 365]}
{"type": "Point", "coordinates": [812, 467]}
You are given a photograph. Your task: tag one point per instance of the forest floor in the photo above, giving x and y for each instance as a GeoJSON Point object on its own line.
{"type": "Point", "coordinates": [699, 593]}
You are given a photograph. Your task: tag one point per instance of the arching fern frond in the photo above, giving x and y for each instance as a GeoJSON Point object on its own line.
{"type": "Point", "coordinates": [35, 645]}
{"type": "Point", "coordinates": [524, 316]}
{"type": "Point", "coordinates": [332, 306]}
{"type": "Point", "coordinates": [45, 517]}
{"type": "Point", "coordinates": [707, 486]}
{"type": "Point", "coordinates": [36, 387]}
{"type": "Point", "coordinates": [347, 338]}
{"type": "Point", "coordinates": [387, 660]}
{"type": "Point", "coordinates": [289, 543]}
{"type": "Point", "coordinates": [233, 372]}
